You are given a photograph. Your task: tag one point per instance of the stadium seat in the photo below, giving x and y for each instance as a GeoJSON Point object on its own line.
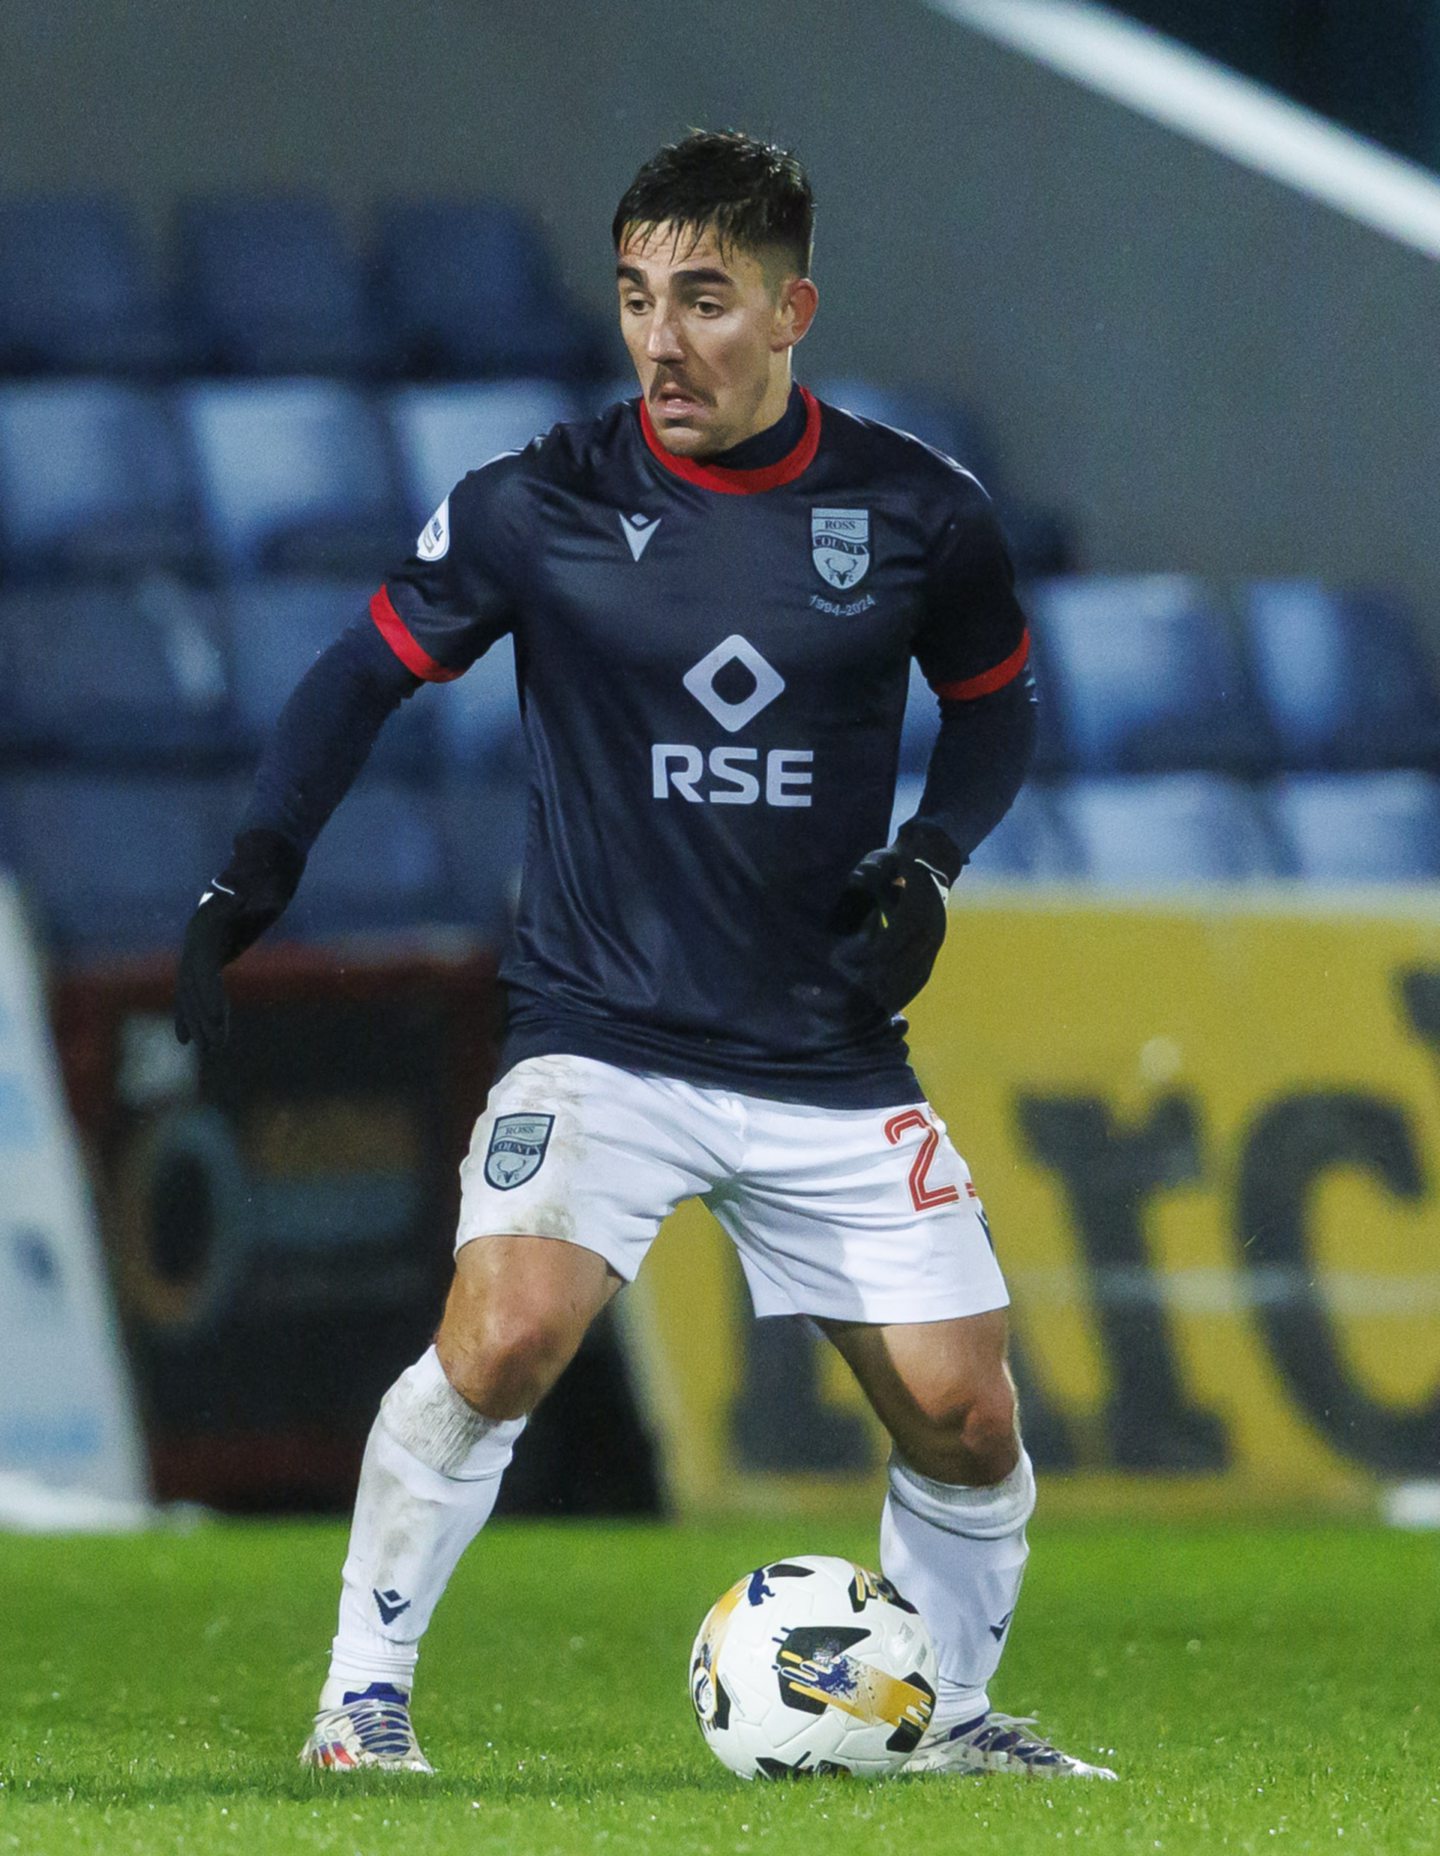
{"type": "Point", "coordinates": [273, 287]}
{"type": "Point", "coordinates": [1029, 844]}
{"type": "Point", "coordinates": [484, 788]}
{"type": "Point", "coordinates": [950, 428]}
{"type": "Point", "coordinates": [478, 718]}
{"type": "Point", "coordinates": [1344, 679]}
{"type": "Point", "coordinates": [93, 481]}
{"type": "Point", "coordinates": [468, 288]}
{"type": "Point", "coordinates": [294, 477]}
{"type": "Point", "coordinates": [1040, 541]}
{"type": "Point", "coordinates": [922, 723]}
{"type": "Point", "coordinates": [442, 432]}
{"type": "Point", "coordinates": [75, 295]}
{"type": "Point", "coordinates": [114, 865]}
{"type": "Point", "coordinates": [1147, 675]}
{"type": "Point", "coordinates": [134, 678]}
{"type": "Point", "coordinates": [1167, 829]}
{"type": "Point", "coordinates": [377, 868]}
{"type": "Point", "coordinates": [1359, 827]}
{"type": "Point", "coordinates": [277, 628]}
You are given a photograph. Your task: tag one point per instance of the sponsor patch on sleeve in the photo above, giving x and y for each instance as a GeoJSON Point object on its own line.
{"type": "Point", "coordinates": [434, 542]}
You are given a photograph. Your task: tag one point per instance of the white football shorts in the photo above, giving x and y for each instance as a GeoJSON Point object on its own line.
{"type": "Point", "coordinates": [851, 1214]}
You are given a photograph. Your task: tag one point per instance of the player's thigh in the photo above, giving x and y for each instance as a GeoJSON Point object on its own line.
{"type": "Point", "coordinates": [942, 1389]}
{"type": "Point", "coordinates": [517, 1311]}
{"type": "Point", "coordinates": [571, 1148]}
{"type": "Point", "coordinates": [864, 1216]}
{"type": "Point", "coordinates": [573, 1165]}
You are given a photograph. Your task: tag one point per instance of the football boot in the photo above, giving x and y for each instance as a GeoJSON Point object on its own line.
{"type": "Point", "coordinates": [997, 1742]}
{"type": "Point", "coordinates": [369, 1728]}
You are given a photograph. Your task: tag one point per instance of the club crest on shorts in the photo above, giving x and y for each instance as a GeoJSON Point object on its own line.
{"type": "Point", "coordinates": [840, 545]}
{"type": "Point", "coordinates": [517, 1148]}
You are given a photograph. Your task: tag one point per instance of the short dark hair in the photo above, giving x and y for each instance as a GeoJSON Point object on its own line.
{"type": "Point", "coordinates": [753, 195]}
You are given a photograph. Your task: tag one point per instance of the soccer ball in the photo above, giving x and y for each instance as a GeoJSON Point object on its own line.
{"type": "Point", "coordinates": [812, 1665]}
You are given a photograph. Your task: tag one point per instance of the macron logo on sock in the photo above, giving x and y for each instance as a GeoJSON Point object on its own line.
{"type": "Point", "coordinates": [390, 1604]}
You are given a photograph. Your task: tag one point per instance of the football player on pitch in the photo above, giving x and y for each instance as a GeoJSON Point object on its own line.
{"type": "Point", "coordinates": [715, 593]}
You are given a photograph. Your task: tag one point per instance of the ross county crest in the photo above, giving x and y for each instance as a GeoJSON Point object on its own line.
{"type": "Point", "coordinates": [517, 1148]}
{"type": "Point", "coordinates": [840, 545]}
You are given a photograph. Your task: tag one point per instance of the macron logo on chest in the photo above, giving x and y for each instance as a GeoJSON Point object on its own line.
{"type": "Point", "coordinates": [637, 530]}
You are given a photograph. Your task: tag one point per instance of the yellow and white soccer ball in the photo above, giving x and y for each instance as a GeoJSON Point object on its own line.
{"type": "Point", "coordinates": [812, 1665]}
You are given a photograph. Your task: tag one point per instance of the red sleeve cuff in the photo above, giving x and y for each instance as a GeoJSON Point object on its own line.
{"type": "Point", "coordinates": [967, 688]}
{"type": "Point", "coordinates": [396, 634]}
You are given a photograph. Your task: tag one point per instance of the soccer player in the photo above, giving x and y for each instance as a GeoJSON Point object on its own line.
{"type": "Point", "coordinates": [715, 593]}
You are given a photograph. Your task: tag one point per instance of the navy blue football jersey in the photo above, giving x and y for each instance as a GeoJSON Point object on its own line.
{"type": "Point", "coordinates": [712, 666]}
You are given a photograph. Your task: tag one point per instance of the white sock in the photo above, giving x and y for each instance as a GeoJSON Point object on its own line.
{"type": "Point", "coordinates": [428, 1483]}
{"type": "Point", "coordinates": [958, 1554]}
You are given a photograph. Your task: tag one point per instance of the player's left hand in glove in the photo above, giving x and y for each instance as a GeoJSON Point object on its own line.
{"type": "Point", "coordinates": [891, 916]}
{"type": "Point", "coordinates": [250, 893]}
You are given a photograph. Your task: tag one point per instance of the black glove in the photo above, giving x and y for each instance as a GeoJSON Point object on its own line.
{"type": "Point", "coordinates": [891, 916]}
{"type": "Point", "coordinates": [250, 893]}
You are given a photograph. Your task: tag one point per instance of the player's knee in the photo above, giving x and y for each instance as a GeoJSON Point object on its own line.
{"type": "Point", "coordinates": [991, 1437]}
{"type": "Point", "coordinates": [966, 1434]}
{"type": "Point", "coordinates": [505, 1361]}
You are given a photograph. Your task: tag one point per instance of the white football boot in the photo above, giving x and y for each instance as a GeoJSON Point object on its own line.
{"type": "Point", "coordinates": [997, 1742]}
{"type": "Point", "coordinates": [371, 1728]}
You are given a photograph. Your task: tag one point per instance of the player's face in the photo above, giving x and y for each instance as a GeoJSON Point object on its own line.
{"type": "Point", "coordinates": [710, 333]}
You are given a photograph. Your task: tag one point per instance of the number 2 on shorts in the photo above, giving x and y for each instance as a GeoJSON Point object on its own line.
{"type": "Point", "coordinates": [923, 1195]}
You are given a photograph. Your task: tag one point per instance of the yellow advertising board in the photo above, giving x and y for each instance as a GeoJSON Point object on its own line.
{"type": "Point", "coordinates": [1207, 1138]}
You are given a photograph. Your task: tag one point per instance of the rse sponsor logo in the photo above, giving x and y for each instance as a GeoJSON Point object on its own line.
{"type": "Point", "coordinates": [723, 777]}
{"type": "Point", "coordinates": [765, 680]}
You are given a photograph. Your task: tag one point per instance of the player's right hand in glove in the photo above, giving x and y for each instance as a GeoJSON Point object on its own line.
{"type": "Point", "coordinates": [891, 916]}
{"type": "Point", "coordinates": [250, 893]}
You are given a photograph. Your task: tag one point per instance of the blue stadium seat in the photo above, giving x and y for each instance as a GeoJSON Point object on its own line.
{"type": "Point", "coordinates": [1029, 844]}
{"type": "Point", "coordinates": [294, 477]}
{"type": "Point", "coordinates": [277, 628]}
{"type": "Point", "coordinates": [273, 287]}
{"type": "Point", "coordinates": [75, 295]}
{"type": "Point", "coordinates": [1359, 827]}
{"type": "Point", "coordinates": [1167, 829]}
{"type": "Point", "coordinates": [922, 723]}
{"type": "Point", "coordinates": [622, 386]}
{"type": "Point", "coordinates": [468, 288]}
{"type": "Point", "coordinates": [1040, 540]}
{"type": "Point", "coordinates": [1343, 677]}
{"type": "Point", "coordinates": [115, 865]}
{"type": "Point", "coordinates": [950, 428]}
{"type": "Point", "coordinates": [377, 868]}
{"type": "Point", "coordinates": [484, 790]}
{"type": "Point", "coordinates": [133, 678]}
{"type": "Point", "coordinates": [478, 718]}
{"type": "Point", "coordinates": [442, 432]}
{"type": "Point", "coordinates": [93, 481]}
{"type": "Point", "coordinates": [1148, 676]}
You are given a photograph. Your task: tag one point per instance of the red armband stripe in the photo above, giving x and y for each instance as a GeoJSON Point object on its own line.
{"type": "Point", "coordinates": [396, 634]}
{"type": "Point", "coordinates": [989, 680]}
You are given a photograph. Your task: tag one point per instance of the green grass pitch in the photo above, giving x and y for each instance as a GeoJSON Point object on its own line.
{"type": "Point", "coordinates": [1262, 1690]}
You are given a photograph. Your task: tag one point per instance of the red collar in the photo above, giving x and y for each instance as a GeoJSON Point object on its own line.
{"type": "Point", "coordinates": [741, 482]}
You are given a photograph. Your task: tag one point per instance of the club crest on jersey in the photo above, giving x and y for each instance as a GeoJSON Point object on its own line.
{"type": "Point", "coordinates": [517, 1149]}
{"type": "Point", "coordinates": [840, 545]}
{"type": "Point", "coordinates": [435, 536]}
